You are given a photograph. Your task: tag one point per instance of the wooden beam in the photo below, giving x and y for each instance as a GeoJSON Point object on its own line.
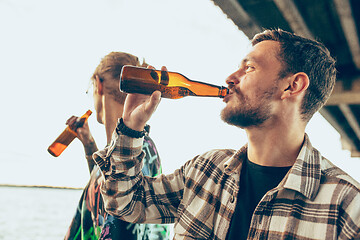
{"type": "Point", "coordinates": [342, 96]}
{"type": "Point", "coordinates": [351, 119]}
{"type": "Point", "coordinates": [354, 124]}
{"type": "Point", "coordinates": [346, 17]}
{"type": "Point", "coordinates": [239, 16]}
{"type": "Point", "coordinates": [293, 17]}
{"type": "Point", "coordinates": [345, 146]}
{"type": "Point", "coordinates": [346, 142]}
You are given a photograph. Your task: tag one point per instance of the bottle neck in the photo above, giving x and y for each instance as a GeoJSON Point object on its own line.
{"type": "Point", "coordinates": [223, 91]}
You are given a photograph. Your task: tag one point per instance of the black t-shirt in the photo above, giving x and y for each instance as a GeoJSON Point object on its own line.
{"type": "Point", "coordinates": [255, 181]}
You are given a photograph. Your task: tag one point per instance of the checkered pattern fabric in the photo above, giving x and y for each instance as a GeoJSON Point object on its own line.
{"type": "Point", "coordinates": [315, 200]}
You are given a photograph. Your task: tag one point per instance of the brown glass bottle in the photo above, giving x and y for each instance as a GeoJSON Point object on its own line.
{"type": "Point", "coordinates": [67, 136]}
{"type": "Point", "coordinates": [171, 84]}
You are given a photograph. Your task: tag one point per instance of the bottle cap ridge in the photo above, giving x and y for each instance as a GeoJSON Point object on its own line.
{"type": "Point", "coordinates": [223, 91]}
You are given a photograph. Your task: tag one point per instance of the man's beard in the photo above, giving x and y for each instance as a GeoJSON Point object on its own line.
{"type": "Point", "coordinates": [246, 115]}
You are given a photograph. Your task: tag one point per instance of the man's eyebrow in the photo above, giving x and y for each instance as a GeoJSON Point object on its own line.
{"type": "Point", "coordinates": [247, 59]}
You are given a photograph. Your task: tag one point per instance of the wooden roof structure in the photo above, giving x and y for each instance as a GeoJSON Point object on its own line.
{"type": "Point", "coordinates": [336, 23]}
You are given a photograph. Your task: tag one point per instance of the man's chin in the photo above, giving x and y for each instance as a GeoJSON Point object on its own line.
{"type": "Point", "coordinates": [229, 118]}
{"type": "Point", "coordinates": [238, 120]}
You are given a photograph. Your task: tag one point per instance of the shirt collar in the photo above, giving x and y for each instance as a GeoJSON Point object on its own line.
{"type": "Point", "coordinates": [303, 177]}
{"type": "Point", "coordinates": [305, 174]}
{"type": "Point", "coordinates": [235, 161]}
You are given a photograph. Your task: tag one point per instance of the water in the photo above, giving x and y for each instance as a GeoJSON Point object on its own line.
{"type": "Point", "coordinates": [36, 213]}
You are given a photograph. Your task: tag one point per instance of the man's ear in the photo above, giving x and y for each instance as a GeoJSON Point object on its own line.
{"type": "Point", "coordinates": [297, 84]}
{"type": "Point", "coordinates": [99, 85]}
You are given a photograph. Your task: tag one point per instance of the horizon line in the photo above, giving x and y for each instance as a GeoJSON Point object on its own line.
{"type": "Point", "coordinates": [40, 186]}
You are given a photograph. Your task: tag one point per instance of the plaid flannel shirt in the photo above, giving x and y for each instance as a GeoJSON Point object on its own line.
{"type": "Point", "coordinates": [315, 200]}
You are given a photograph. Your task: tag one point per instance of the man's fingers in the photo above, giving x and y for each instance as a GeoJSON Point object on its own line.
{"type": "Point", "coordinates": [153, 102]}
{"type": "Point", "coordinates": [71, 120]}
{"type": "Point", "coordinates": [163, 68]}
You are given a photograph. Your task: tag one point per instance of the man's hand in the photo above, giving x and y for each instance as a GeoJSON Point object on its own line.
{"type": "Point", "coordinates": [83, 132]}
{"type": "Point", "coordinates": [84, 135]}
{"type": "Point", "coordinates": [138, 108]}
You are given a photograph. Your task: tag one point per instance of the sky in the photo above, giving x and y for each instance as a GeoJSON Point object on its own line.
{"type": "Point", "coordinates": [49, 50]}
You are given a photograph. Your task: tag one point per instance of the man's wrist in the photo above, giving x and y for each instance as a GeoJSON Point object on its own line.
{"type": "Point", "coordinates": [90, 148]}
{"type": "Point", "coordinates": [122, 128]}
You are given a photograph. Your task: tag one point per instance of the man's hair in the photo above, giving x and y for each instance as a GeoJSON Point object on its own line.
{"type": "Point", "coordinates": [298, 54]}
{"type": "Point", "coordinates": [110, 67]}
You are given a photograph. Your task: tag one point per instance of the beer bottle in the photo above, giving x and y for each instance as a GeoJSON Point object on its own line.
{"type": "Point", "coordinates": [67, 136]}
{"type": "Point", "coordinates": [171, 84]}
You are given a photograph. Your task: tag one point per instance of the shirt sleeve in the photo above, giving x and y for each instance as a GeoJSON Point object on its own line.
{"type": "Point", "coordinates": [348, 222]}
{"type": "Point", "coordinates": [130, 195]}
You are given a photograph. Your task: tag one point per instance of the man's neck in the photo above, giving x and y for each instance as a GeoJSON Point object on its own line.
{"type": "Point", "coordinates": [112, 112]}
{"type": "Point", "coordinates": [276, 146]}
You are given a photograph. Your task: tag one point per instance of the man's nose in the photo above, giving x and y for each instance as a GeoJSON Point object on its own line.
{"type": "Point", "coordinates": [232, 79]}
